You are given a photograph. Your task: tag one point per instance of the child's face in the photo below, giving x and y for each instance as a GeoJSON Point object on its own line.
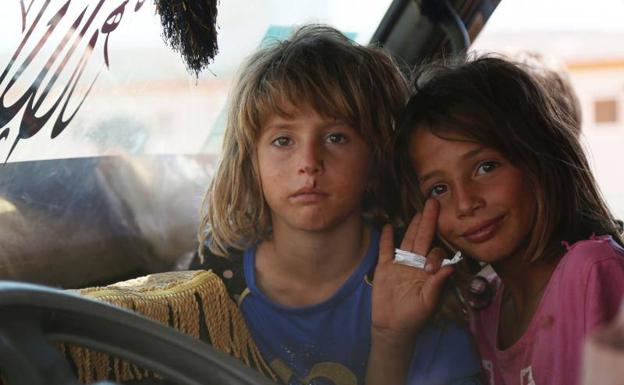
{"type": "Point", "coordinates": [487, 206]}
{"type": "Point", "coordinates": [313, 170]}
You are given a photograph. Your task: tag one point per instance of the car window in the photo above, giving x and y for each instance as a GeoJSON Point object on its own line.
{"type": "Point", "coordinates": [108, 141]}
{"type": "Point", "coordinates": [84, 78]}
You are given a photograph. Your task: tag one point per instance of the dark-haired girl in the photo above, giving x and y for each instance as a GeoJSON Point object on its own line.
{"type": "Point", "coordinates": [502, 177]}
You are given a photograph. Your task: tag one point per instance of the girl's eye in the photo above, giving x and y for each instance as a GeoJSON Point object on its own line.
{"type": "Point", "coordinates": [437, 190]}
{"type": "Point", "coordinates": [486, 167]}
{"type": "Point", "coordinates": [336, 138]}
{"type": "Point", "coordinates": [282, 141]}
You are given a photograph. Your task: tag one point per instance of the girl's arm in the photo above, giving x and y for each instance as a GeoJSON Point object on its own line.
{"type": "Point", "coordinates": [403, 299]}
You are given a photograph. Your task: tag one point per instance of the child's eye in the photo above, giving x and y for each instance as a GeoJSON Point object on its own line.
{"type": "Point", "coordinates": [486, 167]}
{"type": "Point", "coordinates": [336, 138]}
{"type": "Point", "coordinates": [282, 141]}
{"type": "Point", "coordinates": [437, 190]}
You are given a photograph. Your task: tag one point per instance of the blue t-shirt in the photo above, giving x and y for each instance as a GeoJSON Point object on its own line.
{"type": "Point", "coordinates": [329, 342]}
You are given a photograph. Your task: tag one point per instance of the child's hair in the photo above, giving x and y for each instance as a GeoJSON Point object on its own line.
{"type": "Point", "coordinates": [556, 81]}
{"type": "Point", "coordinates": [501, 105]}
{"type": "Point", "coordinates": [317, 67]}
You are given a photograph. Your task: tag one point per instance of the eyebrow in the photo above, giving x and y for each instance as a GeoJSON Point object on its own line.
{"type": "Point", "coordinates": [278, 125]}
{"type": "Point", "coordinates": [467, 155]}
{"type": "Point", "coordinates": [287, 123]}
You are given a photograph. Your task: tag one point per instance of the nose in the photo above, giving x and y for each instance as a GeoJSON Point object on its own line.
{"type": "Point", "coordinates": [311, 159]}
{"type": "Point", "coordinates": [468, 198]}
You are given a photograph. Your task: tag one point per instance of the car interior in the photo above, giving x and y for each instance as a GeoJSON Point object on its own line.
{"type": "Point", "coordinates": [108, 142]}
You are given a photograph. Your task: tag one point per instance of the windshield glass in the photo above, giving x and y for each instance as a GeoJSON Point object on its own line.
{"type": "Point", "coordinates": [89, 78]}
{"type": "Point", "coordinates": [108, 142]}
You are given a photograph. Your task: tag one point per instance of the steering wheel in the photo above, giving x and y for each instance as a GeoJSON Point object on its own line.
{"type": "Point", "coordinates": [33, 317]}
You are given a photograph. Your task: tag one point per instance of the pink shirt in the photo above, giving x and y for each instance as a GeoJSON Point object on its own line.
{"type": "Point", "coordinates": [584, 292]}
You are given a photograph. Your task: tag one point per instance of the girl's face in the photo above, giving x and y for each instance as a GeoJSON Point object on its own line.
{"type": "Point", "coordinates": [487, 205]}
{"type": "Point", "coordinates": [313, 169]}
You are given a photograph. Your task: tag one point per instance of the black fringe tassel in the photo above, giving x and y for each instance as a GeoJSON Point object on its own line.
{"type": "Point", "coordinates": [189, 27]}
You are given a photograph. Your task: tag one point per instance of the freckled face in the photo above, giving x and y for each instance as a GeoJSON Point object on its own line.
{"type": "Point", "coordinates": [313, 170]}
{"type": "Point", "coordinates": [487, 205]}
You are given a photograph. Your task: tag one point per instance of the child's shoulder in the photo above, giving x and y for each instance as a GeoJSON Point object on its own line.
{"type": "Point", "coordinates": [229, 268]}
{"type": "Point", "coordinates": [594, 249]}
{"type": "Point", "coordinates": [591, 277]}
{"type": "Point", "coordinates": [588, 253]}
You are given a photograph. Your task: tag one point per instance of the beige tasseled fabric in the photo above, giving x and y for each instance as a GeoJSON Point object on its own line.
{"type": "Point", "coordinates": [176, 299]}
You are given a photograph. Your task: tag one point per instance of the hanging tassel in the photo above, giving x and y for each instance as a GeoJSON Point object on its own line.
{"type": "Point", "coordinates": [189, 27]}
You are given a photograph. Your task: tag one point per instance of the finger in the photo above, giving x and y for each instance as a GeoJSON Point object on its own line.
{"type": "Point", "coordinates": [434, 259]}
{"type": "Point", "coordinates": [410, 234]}
{"type": "Point", "coordinates": [433, 286]}
{"type": "Point", "coordinates": [386, 245]}
{"type": "Point", "coordinates": [479, 293]}
{"type": "Point", "coordinates": [478, 304]}
{"type": "Point", "coordinates": [426, 228]}
{"type": "Point", "coordinates": [478, 285]}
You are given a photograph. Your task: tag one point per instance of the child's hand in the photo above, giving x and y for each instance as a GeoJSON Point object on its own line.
{"type": "Point", "coordinates": [405, 297]}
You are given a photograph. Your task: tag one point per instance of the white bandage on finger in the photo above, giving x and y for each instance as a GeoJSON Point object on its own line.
{"type": "Point", "coordinates": [456, 258]}
{"type": "Point", "coordinates": [408, 258]}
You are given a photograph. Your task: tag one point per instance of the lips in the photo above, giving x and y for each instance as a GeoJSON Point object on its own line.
{"type": "Point", "coordinates": [308, 195]}
{"type": "Point", "coordinates": [483, 231]}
